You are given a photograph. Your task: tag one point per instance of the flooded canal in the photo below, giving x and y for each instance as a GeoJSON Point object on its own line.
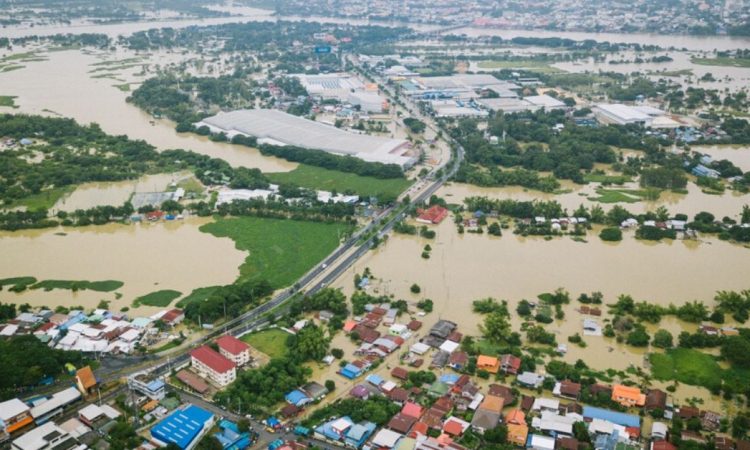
{"type": "Point", "coordinates": [146, 257]}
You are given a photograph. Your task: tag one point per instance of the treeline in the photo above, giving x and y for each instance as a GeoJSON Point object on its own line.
{"type": "Point", "coordinates": [64, 40]}
{"type": "Point", "coordinates": [235, 297]}
{"type": "Point", "coordinates": [170, 95]}
{"type": "Point", "coordinates": [727, 228]}
{"type": "Point", "coordinates": [586, 44]}
{"type": "Point", "coordinates": [326, 160]}
{"type": "Point", "coordinates": [74, 154]}
{"type": "Point", "coordinates": [494, 177]}
{"type": "Point", "coordinates": [260, 36]}
{"type": "Point", "coordinates": [98, 215]}
{"type": "Point", "coordinates": [27, 361]}
{"type": "Point", "coordinates": [309, 210]}
{"type": "Point", "coordinates": [567, 153]}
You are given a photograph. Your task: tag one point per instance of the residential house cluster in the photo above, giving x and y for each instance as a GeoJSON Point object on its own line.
{"type": "Point", "coordinates": [101, 331]}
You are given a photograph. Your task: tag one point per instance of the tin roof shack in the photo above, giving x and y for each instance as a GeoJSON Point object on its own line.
{"type": "Point", "coordinates": [488, 415]}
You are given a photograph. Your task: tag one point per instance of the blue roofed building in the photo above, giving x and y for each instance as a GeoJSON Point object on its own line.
{"type": "Point", "coordinates": [297, 398]}
{"type": "Point", "coordinates": [702, 171]}
{"type": "Point", "coordinates": [374, 379]}
{"type": "Point", "coordinates": [357, 434]}
{"type": "Point", "coordinates": [351, 371]}
{"type": "Point", "coordinates": [184, 427]}
{"type": "Point", "coordinates": [73, 318]}
{"type": "Point", "coordinates": [230, 436]}
{"type": "Point", "coordinates": [335, 429]}
{"type": "Point", "coordinates": [618, 418]}
{"type": "Point", "coordinates": [449, 379]}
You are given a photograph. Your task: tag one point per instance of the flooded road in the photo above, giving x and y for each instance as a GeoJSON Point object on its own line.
{"type": "Point", "coordinates": [64, 85]}
{"type": "Point", "coordinates": [146, 257]}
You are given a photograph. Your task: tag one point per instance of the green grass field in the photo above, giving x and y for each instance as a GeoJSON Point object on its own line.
{"type": "Point", "coordinates": [272, 342]}
{"type": "Point", "coordinates": [8, 101]}
{"type": "Point", "coordinates": [159, 298]}
{"type": "Point", "coordinates": [79, 285]}
{"type": "Point", "coordinates": [17, 282]}
{"type": "Point", "coordinates": [280, 250]}
{"type": "Point", "coordinates": [534, 66]}
{"type": "Point", "coordinates": [722, 61]}
{"type": "Point", "coordinates": [43, 200]}
{"type": "Point", "coordinates": [686, 366]}
{"type": "Point", "coordinates": [198, 295]}
{"type": "Point", "coordinates": [319, 178]}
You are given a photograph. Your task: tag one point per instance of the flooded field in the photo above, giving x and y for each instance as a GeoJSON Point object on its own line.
{"type": "Point", "coordinates": [739, 155]}
{"type": "Point", "coordinates": [89, 195]}
{"type": "Point", "coordinates": [146, 257]}
{"type": "Point", "coordinates": [64, 85]}
{"type": "Point", "coordinates": [704, 43]}
{"type": "Point", "coordinates": [463, 268]}
{"type": "Point", "coordinates": [729, 204]}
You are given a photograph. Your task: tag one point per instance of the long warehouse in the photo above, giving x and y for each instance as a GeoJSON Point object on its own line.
{"type": "Point", "coordinates": [271, 126]}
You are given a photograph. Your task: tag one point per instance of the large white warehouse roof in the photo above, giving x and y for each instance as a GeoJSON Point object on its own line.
{"type": "Point", "coordinates": [280, 128]}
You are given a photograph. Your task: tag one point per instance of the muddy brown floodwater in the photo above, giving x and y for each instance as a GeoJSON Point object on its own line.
{"type": "Point", "coordinates": [463, 268]}
{"type": "Point", "coordinates": [63, 85]}
{"type": "Point", "coordinates": [728, 204]}
{"type": "Point", "coordinates": [147, 257]}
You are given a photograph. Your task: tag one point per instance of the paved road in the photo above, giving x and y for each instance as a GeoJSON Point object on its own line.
{"type": "Point", "coordinates": [331, 268]}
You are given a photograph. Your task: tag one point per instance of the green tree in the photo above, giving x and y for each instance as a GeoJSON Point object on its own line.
{"type": "Point", "coordinates": [415, 289]}
{"type": "Point", "coordinates": [612, 234]}
{"type": "Point", "coordinates": [496, 327]}
{"type": "Point", "coordinates": [736, 349]}
{"type": "Point", "coordinates": [638, 337]}
{"type": "Point", "coordinates": [310, 343]}
{"type": "Point", "coordinates": [663, 339]}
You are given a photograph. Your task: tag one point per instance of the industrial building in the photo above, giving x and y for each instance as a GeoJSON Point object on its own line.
{"type": "Point", "coordinates": [456, 108]}
{"type": "Point", "coordinates": [646, 116]}
{"type": "Point", "coordinates": [345, 88]}
{"type": "Point", "coordinates": [514, 105]}
{"type": "Point", "coordinates": [276, 127]}
{"type": "Point", "coordinates": [330, 85]}
{"type": "Point", "coordinates": [460, 87]}
{"type": "Point", "coordinates": [184, 427]}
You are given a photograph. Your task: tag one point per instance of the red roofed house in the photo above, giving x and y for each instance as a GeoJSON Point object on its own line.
{"type": "Point", "coordinates": [234, 350]}
{"type": "Point", "coordinates": [173, 316]}
{"type": "Point", "coordinates": [434, 215]}
{"type": "Point", "coordinates": [662, 445]}
{"type": "Point", "coordinates": [510, 364]}
{"type": "Point", "coordinates": [210, 364]}
{"type": "Point", "coordinates": [412, 409]}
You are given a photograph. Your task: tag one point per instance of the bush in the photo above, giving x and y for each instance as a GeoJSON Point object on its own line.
{"type": "Point", "coordinates": [611, 234]}
{"type": "Point", "coordinates": [663, 339]}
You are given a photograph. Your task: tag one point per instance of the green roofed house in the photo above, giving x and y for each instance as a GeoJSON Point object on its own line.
{"type": "Point", "coordinates": [438, 389]}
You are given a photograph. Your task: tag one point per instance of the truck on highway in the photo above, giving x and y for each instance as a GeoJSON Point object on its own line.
{"type": "Point", "coordinates": [299, 430]}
